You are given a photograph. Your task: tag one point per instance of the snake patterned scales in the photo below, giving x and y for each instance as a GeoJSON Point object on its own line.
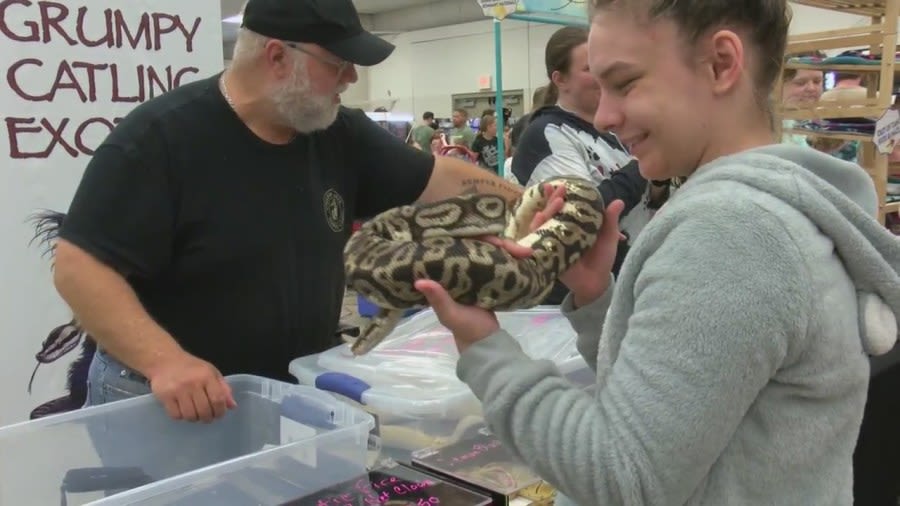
{"type": "Point", "coordinates": [439, 241]}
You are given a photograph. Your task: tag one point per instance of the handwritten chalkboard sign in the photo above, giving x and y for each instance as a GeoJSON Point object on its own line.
{"type": "Point", "coordinates": [397, 485]}
{"type": "Point", "coordinates": [480, 461]}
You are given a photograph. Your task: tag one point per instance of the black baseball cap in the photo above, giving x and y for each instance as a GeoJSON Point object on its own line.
{"type": "Point", "coordinates": [332, 24]}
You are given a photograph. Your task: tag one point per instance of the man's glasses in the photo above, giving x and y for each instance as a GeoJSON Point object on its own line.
{"type": "Point", "coordinates": [340, 65]}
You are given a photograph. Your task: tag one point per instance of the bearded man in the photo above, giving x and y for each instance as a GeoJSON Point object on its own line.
{"type": "Point", "coordinates": [206, 236]}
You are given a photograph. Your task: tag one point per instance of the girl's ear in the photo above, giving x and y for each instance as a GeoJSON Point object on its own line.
{"type": "Point", "coordinates": [557, 78]}
{"type": "Point", "coordinates": [726, 57]}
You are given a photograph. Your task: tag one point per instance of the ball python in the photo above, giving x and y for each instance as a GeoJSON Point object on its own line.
{"type": "Point", "coordinates": [440, 241]}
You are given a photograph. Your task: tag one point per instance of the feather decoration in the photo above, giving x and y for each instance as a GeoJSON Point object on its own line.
{"type": "Point", "coordinates": [64, 338]}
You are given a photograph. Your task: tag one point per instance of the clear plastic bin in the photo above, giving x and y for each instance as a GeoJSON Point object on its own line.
{"type": "Point", "coordinates": [409, 382]}
{"type": "Point", "coordinates": [131, 452]}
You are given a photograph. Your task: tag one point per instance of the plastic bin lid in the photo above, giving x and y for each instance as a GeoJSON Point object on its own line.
{"type": "Point", "coordinates": [413, 371]}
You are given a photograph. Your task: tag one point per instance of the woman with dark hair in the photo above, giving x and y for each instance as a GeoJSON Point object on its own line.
{"type": "Point", "coordinates": [733, 352]}
{"type": "Point", "coordinates": [561, 141]}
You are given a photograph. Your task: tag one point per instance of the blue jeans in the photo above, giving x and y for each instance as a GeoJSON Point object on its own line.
{"type": "Point", "coordinates": [109, 380]}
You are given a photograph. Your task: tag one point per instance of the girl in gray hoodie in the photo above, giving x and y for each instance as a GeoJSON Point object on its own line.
{"type": "Point", "coordinates": [733, 350]}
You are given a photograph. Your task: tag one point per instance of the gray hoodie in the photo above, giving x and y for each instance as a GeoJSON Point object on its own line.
{"type": "Point", "coordinates": [732, 354]}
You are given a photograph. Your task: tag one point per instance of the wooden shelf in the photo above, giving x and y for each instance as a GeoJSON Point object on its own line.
{"type": "Point", "coordinates": [871, 8]}
{"type": "Point", "coordinates": [828, 110]}
{"type": "Point", "coordinates": [867, 36]}
{"type": "Point", "coordinates": [844, 136]}
{"type": "Point", "coordinates": [879, 34]}
{"type": "Point", "coordinates": [837, 67]}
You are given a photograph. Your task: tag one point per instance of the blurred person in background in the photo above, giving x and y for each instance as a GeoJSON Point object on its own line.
{"type": "Point", "coordinates": [800, 88]}
{"type": "Point", "coordinates": [461, 133]}
{"type": "Point", "coordinates": [485, 144]}
{"type": "Point", "coordinates": [560, 140]}
{"type": "Point", "coordinates": [423, 133]}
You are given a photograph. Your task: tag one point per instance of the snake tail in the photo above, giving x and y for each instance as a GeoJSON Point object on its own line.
{"type": "Point", "coordinates": [375, 330]}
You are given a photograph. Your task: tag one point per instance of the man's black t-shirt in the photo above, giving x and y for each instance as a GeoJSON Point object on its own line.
{"type": "Point", "coordinates": [234, 245]}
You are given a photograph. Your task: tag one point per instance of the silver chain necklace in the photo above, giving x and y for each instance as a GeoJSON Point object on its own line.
{"type": "Point", "coordinates": [225, 91]}
{"type": "Point", "coordinates": [231, 102]}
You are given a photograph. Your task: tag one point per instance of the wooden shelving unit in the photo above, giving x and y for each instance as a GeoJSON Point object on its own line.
{"type": "Point", "coordinates": [881, 33]}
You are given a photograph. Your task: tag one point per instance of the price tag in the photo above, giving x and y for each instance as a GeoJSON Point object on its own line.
{"type": "Point", "coordinates": [498, 8]}
{"type": "Point", "coordinates": [887, 131]}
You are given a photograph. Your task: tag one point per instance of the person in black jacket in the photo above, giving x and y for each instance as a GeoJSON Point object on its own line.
{"type": "Point", "coordinates": [560, 140]}
{"type": "Point", "coordinates": [537, 101]}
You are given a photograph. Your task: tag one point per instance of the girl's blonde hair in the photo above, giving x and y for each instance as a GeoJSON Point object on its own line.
{"type": "Point", "coordinates": [485, 122]}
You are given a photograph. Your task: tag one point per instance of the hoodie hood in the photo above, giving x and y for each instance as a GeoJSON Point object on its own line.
{"type": "Point", "coordinates": [840, 199]}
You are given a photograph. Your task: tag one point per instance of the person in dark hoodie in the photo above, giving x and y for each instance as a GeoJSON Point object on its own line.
{"type": "Point", "coordinates": [560, 140]}
{"type": "Point", "coordinates": [734, 350]}
{"type": "Point", "coordinates": [537, 101]}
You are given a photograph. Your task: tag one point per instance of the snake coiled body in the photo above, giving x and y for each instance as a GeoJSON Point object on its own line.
{"type": "Point", "coordinates": [439, 241]}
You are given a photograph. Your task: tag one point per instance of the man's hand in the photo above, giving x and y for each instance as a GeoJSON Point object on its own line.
{"type": "Point", "coordinates": [191, 389]}
{"type": "Point", "coordinates": [472, 324]}
{"type": "Point", "coordinates": [588, 279]}
{"type": "Point", "coordinates": [109, 309]}
{"type": "Point", "coordinates": [554, 205]}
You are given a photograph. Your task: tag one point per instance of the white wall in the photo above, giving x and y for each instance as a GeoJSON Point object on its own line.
{"type": "Point", "coordinates": [357, 95]}
{"type": "Point", "coordinates": [43, 172]}
{"type": "Point", "coordinates": [811, 19]}
{"type": "Point", "coordinates": [431, 65]}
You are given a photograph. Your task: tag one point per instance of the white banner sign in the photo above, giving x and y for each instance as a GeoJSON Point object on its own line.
{"type": "Point", "coordinates": [73, 69]}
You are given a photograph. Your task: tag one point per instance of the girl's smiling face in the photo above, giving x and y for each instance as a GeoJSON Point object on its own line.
{"type": "Point", "coordinates": [650, 97]}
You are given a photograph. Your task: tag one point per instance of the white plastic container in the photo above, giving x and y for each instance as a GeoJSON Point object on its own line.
{"type": "Point", "coordinates": [131, 452]}
{"type": "Point", "coordinates": [409, 382]}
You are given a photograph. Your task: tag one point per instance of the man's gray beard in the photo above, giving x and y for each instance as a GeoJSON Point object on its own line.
{"type": "Point", "coordinates": [299, 108]}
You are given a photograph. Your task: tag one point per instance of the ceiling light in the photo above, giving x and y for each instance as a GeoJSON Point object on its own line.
{"type": "Point", "coordinates": [235, 20]}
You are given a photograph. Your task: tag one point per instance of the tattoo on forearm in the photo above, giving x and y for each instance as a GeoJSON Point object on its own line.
{"type": "Point", "coordinates": [483, 185]}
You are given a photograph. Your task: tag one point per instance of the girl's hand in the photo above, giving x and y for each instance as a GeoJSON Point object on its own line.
{"type": "Point", "coordinates": [588, 279]}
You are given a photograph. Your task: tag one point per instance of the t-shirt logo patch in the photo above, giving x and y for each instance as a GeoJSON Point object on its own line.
{"type": "Point", "coordinates": [334, 210]}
